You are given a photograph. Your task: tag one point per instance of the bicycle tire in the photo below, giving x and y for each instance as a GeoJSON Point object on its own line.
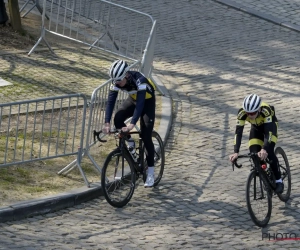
{"type": "Point", "coordinates": [285, 175]}
{"type": "Point", "coordinates": [260, 188]}
{"type": "Point", "coordinates": [114, 182]}
{"type": "Point", "coordinates": [159, 158]}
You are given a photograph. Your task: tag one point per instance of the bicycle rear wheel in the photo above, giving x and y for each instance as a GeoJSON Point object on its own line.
{"type": "Point", "coordinates": [118, 179]}
{"type": "Point", "coordinates": [284, 168]}
{"type": "Point", "coordinates": [159, 158]}
{"type": "Point", "coordinates": [259, 199]}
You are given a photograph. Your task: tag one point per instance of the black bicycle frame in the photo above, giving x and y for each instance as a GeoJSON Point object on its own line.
{"type": "Point", "coordinates": [257, 168]}
{"type": "Point", "coordinates": [139, 164]}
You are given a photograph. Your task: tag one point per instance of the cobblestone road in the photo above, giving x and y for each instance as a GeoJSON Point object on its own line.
{"type": "Point", "coordinates": [286, 11]}
{"type": "Point", "coordinates": [210, 57]}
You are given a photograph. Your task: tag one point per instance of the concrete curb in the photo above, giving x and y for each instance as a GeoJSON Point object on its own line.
{"type": "Point", "coordinates": [166, 114]}
{"type": "Point", "coordinates": [24, 209]}
{"type": "Point", "coordinates": [261, 15]}
{"type": "Point", "coordinates": [49, 204]}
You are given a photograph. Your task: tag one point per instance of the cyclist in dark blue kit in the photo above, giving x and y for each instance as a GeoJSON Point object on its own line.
{"type": "Point", "coordinates": [140, 104]}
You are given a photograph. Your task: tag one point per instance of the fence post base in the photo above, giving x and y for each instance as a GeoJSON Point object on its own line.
{"type": "Point", "coordinates": [40, 39]}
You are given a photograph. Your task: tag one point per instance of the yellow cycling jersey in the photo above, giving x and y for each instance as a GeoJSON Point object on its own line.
{"type": "Point", "coordinates": [148, 93]}
{"type": "Point", "coordinates": [266, 115]}
{"type": "Point", "coordinates": [136, 82]}
{"type": "Point", "coordinates": [265, 123]}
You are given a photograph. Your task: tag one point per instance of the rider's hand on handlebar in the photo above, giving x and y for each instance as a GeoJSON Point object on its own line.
{"type": "Point", "coordinates": [128, 128]}
{"type": "Point", "coordinates": [106, 128]}
{"type": "Point", "coordinates": [262, 154]}
{"type": "Point", "coordinates": [233, 157]}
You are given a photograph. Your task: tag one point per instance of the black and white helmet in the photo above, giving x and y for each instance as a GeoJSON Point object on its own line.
{"type": "Point", "coordinates": [251, 103]}
{"type": "Point", "coordinates": [117, 70]}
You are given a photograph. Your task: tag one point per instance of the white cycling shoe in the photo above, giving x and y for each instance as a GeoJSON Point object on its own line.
{"type": "Point", "coordinates": [149, 181]}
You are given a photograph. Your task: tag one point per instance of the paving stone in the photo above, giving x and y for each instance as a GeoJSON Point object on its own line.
{"type": "Point", "coordinates": [209, 57]}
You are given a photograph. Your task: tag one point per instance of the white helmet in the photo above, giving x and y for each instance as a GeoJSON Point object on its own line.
{"type": "Point", "coordinates": [118, 69]}
{"type": "Point", "coordinates": [251, 103]}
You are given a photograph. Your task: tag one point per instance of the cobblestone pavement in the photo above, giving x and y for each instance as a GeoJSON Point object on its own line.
{"type": "Point", "coordinates": [209, 57]}
{"type": "Point", "coordinates": [286, 11]}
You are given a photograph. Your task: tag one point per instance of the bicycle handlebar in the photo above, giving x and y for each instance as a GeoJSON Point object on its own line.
{"type": "Point", "coordinates": [234, 163]}
{"type": "Point", "coordinates": [119, 133]}
{"type": "Point", "coordinates": [97, 134]}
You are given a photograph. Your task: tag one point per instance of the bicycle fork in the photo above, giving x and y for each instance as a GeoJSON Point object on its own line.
{"type": "Point", "coordinates": [261, 187]}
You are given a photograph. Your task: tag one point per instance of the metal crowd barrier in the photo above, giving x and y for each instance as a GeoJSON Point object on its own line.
{"type": "Point", "coordinates": [41, 129]}
{"type": "Point", "coordinates": [35, 4]}
{"type": "Point", "coordinates": [99, 24]}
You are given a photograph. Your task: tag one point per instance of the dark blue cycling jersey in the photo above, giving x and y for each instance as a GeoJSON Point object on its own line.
{"type": "Point", "coordinates": [138, 87]}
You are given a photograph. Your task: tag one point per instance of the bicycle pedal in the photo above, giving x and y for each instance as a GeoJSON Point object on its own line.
{"type": "Point", "coordinates": [118, 178]}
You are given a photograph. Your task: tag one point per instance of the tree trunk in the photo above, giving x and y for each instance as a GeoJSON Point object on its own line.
{"type": "Point", "coordinates": [15, 18]}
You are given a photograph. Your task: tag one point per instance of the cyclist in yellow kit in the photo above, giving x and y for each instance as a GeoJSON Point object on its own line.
{"type": "Point", "coordinates": [140, 104]}
{"type": "Point", "coordinates": [263, 133]}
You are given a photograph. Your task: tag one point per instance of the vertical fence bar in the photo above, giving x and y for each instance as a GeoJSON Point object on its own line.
{"type": "Point", "coordinates": [25, 132]}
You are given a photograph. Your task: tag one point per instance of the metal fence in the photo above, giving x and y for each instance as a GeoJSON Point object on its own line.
{"type": "Point", "coordinates": [34, 4]}
{"type": "Point", "coordinates": [41, 129]}
{"type": "Point", "coordinates": [99, 24]}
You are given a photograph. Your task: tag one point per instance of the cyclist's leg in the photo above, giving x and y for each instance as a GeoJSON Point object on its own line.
{"type": "Point", "coordinates": [256, 140]}
{"type": "Point", "coordinates": [124, 112]}
{"type": "Point", "coordinates": [271, 153]}
{"type": "Point", "coordinates": [274, 161]}
{"type": "Point", "coordinates": [147, 124]}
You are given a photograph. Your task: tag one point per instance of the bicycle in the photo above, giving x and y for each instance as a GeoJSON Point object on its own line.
{"type": "Point", "coordinates": [264, 183]}
{"type": "Point", "coordinates": [121, 169]}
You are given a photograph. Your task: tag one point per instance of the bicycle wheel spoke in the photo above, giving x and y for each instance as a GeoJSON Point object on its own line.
{"type": "Point", "coordinates": [118, 179]}
{"type": "Point", "coordinates": [159, 157]}
{"type": "Point", "coordinates": [285, 174]}
{"type": "Point", "coordinates": [258, 200]}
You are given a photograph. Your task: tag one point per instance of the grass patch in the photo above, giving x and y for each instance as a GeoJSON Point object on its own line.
{"type": "Point", "coordinates": [34, 189]}
{"type": "Point", "coordinates": [23, 173]}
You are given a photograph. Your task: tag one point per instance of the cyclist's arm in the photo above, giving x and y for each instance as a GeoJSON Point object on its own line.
{"type": "Point", "coordinates": [240, 122]}
{"type": "Point", "coordinates": [140, 102]}
{"type": "Point", "coordinates": [268, 131]}
{"type": "Point", "coordinates": [268, 126]}
{"type": "Point", "coordinates": [112, 97]}
{"type": "Point", "coordinates": [238, 137]}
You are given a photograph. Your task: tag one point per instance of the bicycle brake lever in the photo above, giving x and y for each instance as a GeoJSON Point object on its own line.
{"type": "Point", "coordinates": [97, 134]}
{"type": "Point", "coordinates": [235, 164]}
{"type": "Point", "coordinates": [124, 133]}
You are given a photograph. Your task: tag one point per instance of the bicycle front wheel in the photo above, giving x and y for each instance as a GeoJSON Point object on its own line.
{"type": "Point", "coordinates": [118, 178]}
{"type": "Point", "coordinates": [159, 158]}
{"type": "Point", "coordinates": [259, 199]}
{"type": "Point", "coordinates": [284, 168]}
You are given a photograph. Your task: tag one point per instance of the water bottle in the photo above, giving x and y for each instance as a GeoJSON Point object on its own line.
{"type": "Point", "coordinates": [133, 153]}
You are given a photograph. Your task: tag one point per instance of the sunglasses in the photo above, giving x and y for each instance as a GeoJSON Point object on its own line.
{"type": "Point", "coordinates": [116, 81]}
{"type": "Point", "coordinates": [252, 114]}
